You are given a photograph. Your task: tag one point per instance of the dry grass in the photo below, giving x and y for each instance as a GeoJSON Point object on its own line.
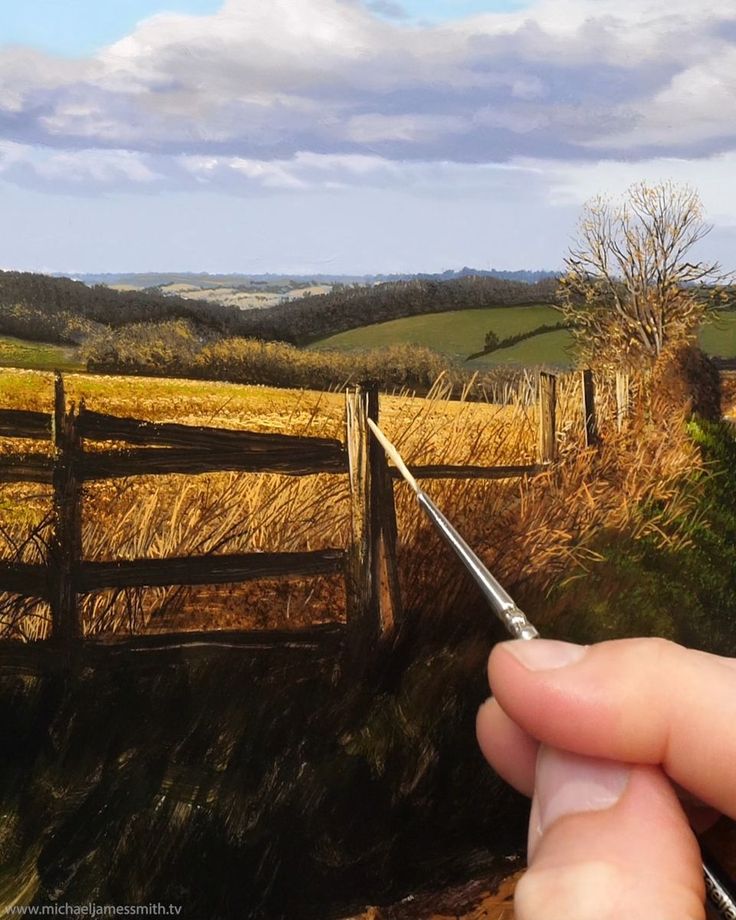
{"type": "Point", "coordinates": [531, 534]}
{"type": "Point", "coordinates": [728, 386]}
{"type": "Point", "coordinates": [230, 512]}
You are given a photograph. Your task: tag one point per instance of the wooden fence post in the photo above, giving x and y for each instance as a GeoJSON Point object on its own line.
{"type": "Point", "coordinates": [623, 397]}
{"type": "Point", "coordinates": [547, 418]}
{"type": "Point", "coordinates": [374, 605]}
{"type": "Point", "coordinates": [66, 546]}
{"type": "Point", "coordinates": [589, 414]}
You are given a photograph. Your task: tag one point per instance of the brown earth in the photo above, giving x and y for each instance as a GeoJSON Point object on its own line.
{"type": "Point", "coordinates": [477, 900]}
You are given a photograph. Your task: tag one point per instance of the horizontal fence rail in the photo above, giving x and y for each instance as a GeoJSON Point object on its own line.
{"type": "Point", "coordinates": [324, 642]}
{"type": "Point", "coordinates": [470, 472]}
{"type": "Point", "coordinates": [194, 450]}
{"type": "Point", "coordinates": [18, 423]}
{"type": "Point", "coordinates": [100, 427]}
{"type": "Point", "coordinates": [155, 462]}
{"type": "Point", "coordinates": [206, 570]}
{"type": "Point", "coordinates": [32, 468]}
{"type": "Point", "coordinates": [24, 579]}
{"type": "Point", "coordinates": [307, 637]}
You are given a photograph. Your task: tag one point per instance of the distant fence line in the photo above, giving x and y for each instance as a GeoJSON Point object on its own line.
{"type": "Point", "coordinates": [368, 565]}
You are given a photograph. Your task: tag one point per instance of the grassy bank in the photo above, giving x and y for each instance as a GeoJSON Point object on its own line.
{"type": "Point", "coordinates": [718, 336]}
{"type": "Point", "coordinates": [673, 575]}
{"type": "Point", "coordinates": [549, 348]}
{"type": "Point", "coordinates": [37, 356]}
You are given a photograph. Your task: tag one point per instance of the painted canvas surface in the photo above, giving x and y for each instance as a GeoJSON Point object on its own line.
{"type": "Point", "coordinates": [240, 667]}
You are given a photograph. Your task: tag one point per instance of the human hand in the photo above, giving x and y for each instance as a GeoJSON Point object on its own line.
{"type": "Point", "coordinates": [599, 735]}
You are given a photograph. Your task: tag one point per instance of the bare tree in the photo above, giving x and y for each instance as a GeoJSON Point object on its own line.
{"type": "Point", "coordinates": [632, 286]}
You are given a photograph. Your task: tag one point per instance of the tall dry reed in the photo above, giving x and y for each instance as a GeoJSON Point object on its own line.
{"type": "Point", "coordinates": [532, 533]}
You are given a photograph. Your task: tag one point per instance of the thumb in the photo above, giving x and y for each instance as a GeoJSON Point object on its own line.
{"type": "Point", "coordinates": [608, 840]}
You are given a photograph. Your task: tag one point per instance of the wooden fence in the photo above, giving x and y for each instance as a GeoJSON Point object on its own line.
{"type": "Point", "coordinates": [368, 564]}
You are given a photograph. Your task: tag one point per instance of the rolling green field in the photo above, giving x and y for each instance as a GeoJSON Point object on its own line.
{"type": "Point", "coordinates": [458, 333]}
{"type": "Point", "coordinates": [37, 355]}
{"type": "Point", "coordinates": [461, 333]}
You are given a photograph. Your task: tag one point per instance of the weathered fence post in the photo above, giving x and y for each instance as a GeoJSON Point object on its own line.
{"type": "Point", "coordinates": [374, 605]}
{"type": "Point", "coordinates": [66, 546]}
{"type": "Point", "coordinates": [589, 413]}
{"type": "Point", "coordinates": [623, 397]}
{"type": "Point", "coordinates": [547, 418]}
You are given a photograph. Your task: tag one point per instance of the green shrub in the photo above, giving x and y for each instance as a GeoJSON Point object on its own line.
{"type": "Point", "coordinates": [279, 364]}
{"type": "Point", "coordinates": [685, 592]}
{"type": "Point", "coordinates": [169, 347]}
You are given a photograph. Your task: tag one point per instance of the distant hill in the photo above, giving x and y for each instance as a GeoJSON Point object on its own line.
{"type": "Point", "coordinates": [348, 307]}
{"type": "Point", "coordinates": [524, 275]}
{"type": "Point", "coordinates": [206, 280]}
{"type": "Point", "coordinates": [58, 309]}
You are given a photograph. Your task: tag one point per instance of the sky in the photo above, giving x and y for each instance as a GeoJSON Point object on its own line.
{"type": "Point", "coordinates": [351, 136]}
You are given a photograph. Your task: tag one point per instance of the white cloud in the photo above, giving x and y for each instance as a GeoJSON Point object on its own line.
{"type": "Point", "coordinates": [310, 172]}
{"type": "Point", "coordinates": [545, 191]}
{"type": "Point", "coordinates": [91, 170]}
{"type": "Point", "coordinates": [270, 81]}
{"type": "Point", "coordinates": [697, 106]}
{"type": "Point", "coordinates": [77, 172]}
{"type": "Point", "coordinates": [574, 183]}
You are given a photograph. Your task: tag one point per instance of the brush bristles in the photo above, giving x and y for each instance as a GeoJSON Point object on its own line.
{"type": "Point", "coordinates": [394, 455]}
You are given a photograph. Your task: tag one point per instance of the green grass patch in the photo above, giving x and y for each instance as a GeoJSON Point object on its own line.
{"type": "Point", "coordinates": [456, 333]}
{"type": "Point", "coordinates": [685, 592]}
{"type": "Point", "coordinates": [554, 348]}
{"type": "Point", "coordinates": [718, 335]}
{"type": "Point", "coordinates": [37, 355]}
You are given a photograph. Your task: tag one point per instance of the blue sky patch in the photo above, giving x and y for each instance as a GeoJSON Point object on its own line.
{"type": "Point", "coordinates": [437, 10]}
{"type": "Point", "coordinates": [80, 27]}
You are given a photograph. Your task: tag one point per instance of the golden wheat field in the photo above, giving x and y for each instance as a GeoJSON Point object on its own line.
{"type": "Point", "coordinates": [235, 512]}
{"type": "Point", "coordinates": [531, 532]}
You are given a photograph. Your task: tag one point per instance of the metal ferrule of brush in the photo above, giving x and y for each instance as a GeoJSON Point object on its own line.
{"type": "Point", "coordinates": [513, 618]}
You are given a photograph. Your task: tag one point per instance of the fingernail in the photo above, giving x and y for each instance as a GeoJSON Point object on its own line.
{"type": "Point", "coordinates": [567, 784]}
{"type": "Point", "coordinates": [545, 654]}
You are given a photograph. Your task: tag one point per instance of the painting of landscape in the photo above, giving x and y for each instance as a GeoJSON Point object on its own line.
{"type": "Point", "coordinates": [239, 666]}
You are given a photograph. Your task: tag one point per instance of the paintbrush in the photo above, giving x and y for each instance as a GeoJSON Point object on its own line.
{"type": "Point", "coordinates": [719, 887]}
{"type": "Point", "coordinates": [502, 604]}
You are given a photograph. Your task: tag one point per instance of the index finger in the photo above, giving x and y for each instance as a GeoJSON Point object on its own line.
{"type": "Point", "coordinates": [643, 701]}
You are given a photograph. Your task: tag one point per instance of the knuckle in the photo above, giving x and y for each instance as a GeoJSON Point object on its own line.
{"type": "Point", "coordinates": [653, 653]}
{"type": "Point", "coordinates": [571, 892]}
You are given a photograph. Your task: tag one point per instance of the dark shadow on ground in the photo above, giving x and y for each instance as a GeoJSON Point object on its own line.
{"type": "Point", "coordinates": [279, 784]}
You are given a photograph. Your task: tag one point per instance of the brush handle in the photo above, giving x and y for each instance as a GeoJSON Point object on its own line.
{"type": "Point", "coordinates": [502, 604]}
{"type": "Point", "coordinates": [719, 888]}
